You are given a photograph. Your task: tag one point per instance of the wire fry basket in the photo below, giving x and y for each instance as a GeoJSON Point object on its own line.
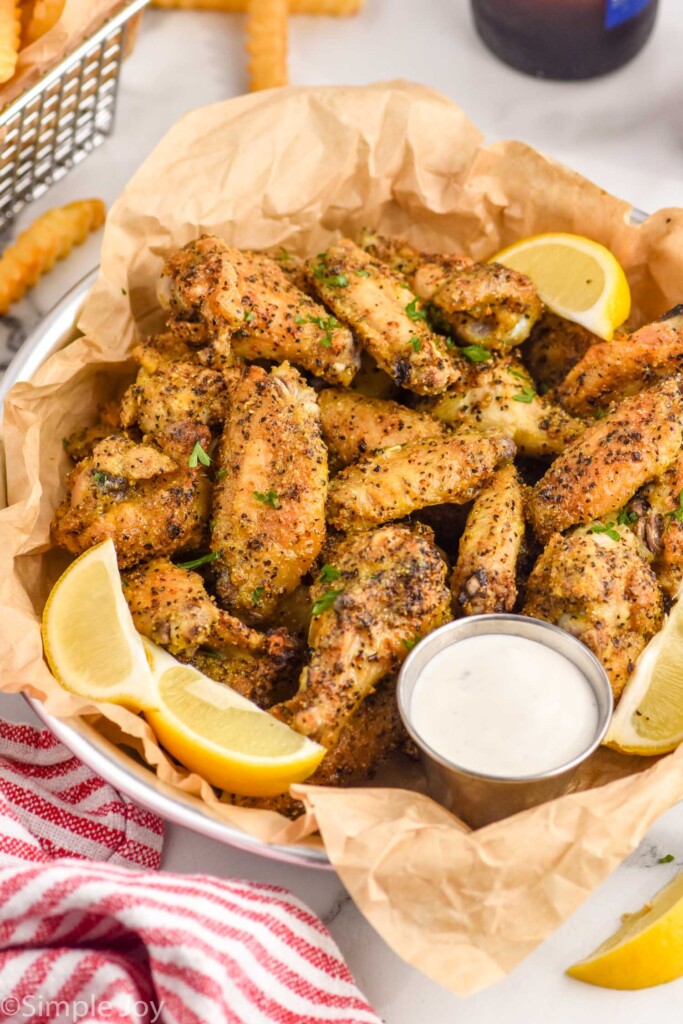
{"type": "Point", "coordinates": [63, 117]}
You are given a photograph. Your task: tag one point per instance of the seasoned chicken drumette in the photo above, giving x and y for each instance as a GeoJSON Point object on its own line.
{"type": "Point", "coordinates": [353, 424]}
{"type": "Point", "coordinates": [636, 442]}
{"type": "Point", "coordinates": [554, 346]}
{"type": "Point", "coordinates": [483, 303]}
{"type": "Point", "coordinates": [378, 594]}
{"type": "Point", "coordinates": [385, 315]}
{"type": "Point", "coordinates": [147, 503]}
{"type": "Point", "coordinates": [268, 522]}
{"type": "Point", "coordinates": [601, 590]}
{"type": "Point", "coordinates": [170, 605]}
{"type": "Point", "coordinates": [392, 483]}
{"type": "Point", "coordinates": [612, 370]}
{"type": "Point", "coordinates": [499, 395]}
{"type": "Point", "coordinates": [176, 406]}
{"type": "Point", "coordinates": [484, 578]}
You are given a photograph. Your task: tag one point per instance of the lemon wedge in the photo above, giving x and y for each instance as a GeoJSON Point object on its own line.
{"type": "Point", "coordinates": [649, 717]}
{"type": "Point", "coordinates": [647, 950]}
{"type": "Point", "coordinates": [577, 278]}
{"type": "Point", "coordinates": [90, 642]}
{"type": "Point", "coordinates": [224, 737]}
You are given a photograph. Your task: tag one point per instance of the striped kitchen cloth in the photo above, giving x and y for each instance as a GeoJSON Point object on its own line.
{"type": "Point", "coordinates": [85, 938]}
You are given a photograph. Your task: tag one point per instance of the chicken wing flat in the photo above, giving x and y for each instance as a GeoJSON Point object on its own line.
{"type": "Point", "coordinates": [269, 498]}
{"type": "Point", "coordinates": [138, 496]}
{"type": "Point", "coordinates": [483, 303]}
{"type": "Point", "coordinates": [554, 346]}
{"type": "Point", "coordinates": [385, 316]}
{"type": "Point", "coordinates": [500, 395]}
{"type": "Point", "coordinates": [598, 473]}
{"type": "Point", "coordinates": [353, 424]}
{"type": "Point", "coordinates": [484, 578]}
{"type": "Point", "coordinates": [612, 370]}
{"type": "Point", "coordinates": [381, 592]}
{"type": "Point", "coordinates": [394, 482]}
{"type": "Point", "coordinates": [601, 590]}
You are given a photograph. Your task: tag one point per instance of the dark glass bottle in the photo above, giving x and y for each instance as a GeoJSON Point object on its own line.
{"type": "Point", "coordinates": [566, 39]}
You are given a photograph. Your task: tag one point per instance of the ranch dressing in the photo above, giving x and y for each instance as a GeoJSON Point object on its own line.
{"type": "Point", "coordinates": [504, 705]}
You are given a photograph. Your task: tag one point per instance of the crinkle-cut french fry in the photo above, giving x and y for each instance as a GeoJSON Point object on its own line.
{"type": "Point", "coordinates": [26, 13]}
{"type": "Point", "coordinates": [334, 8]}
{"type": "Point", "coordinates": [267, 43]}
{"type": "Point", "coordinates": [10, 33]}
{"type": "Point", "coordinates": [46, 14]}
{"type": "Point", "coordinates": [50, 238]}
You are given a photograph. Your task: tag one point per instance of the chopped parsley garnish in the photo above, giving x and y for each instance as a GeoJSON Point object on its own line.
{"type": "Point", "coordinates": [282, 254]}
{"type": "Point", "coordinates": [123, 291]}
{"type": "Point", "coordinates": [526, 395]}
{"type": "Point", "coordinates": [328, 573]}
{"type": "Point", "coordinates": [409, 644]}
{"type": "Point", "coordinates": [198, 455]}
{"type": "Point", "coordinates": [100, 478]}
{"type": "Point", "coordinates": [221, 473]}
{"type": "Point", "coordinates": [608, 528]}
{"type": "Point", "coordinates": [326, 324]}
{"type": "Point", "coordinates": [257, 594]}
{"type": "Point", "coordinates": [202, 560]}
{"type": "Point", "coordinates": [600, 414]}
{"type": "Point", "coordinates": [518, 375]}
{"type": "Point", "coordinates": [413, 312]}
{"type": "Point", "coordinates": [326, 601]}
{"type": "Point", "coordinates": [677, 513]}
{"type": "Point", "coordinates": [214, 655]}
{"type": "Point", "coordinates": [334, 280]}
{"type": "Point", "coordinates": [362, 273]}
{"type": "Point", "coordinates": [416, 343]}
{"type": "Point", "coordinates": [625, 518]}
{"type": "Point", "coordinates": [477, 353]}
{"type": "Point", "coordinates": [666, 859]}
{"type": "Point", "coordinates": [65, 442]}
{"type": "Point", "coordinates": [270, 497]}
{"type": "Point", "coordinates": [249, 316]}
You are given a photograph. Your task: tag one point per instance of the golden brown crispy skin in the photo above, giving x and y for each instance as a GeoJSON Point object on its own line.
{"type": "Point", "coordinates": [353, 424]}
{"type": "Point", "coordinates": [602, 591]}
{"type": "Point", "coordinates": [553, 347]}
{"type": "Point", "coordinates": [385, 316]}
{"type": "Point", "coordinates": [80, 444]}
{"type": "Point", "coordinates": [391, 590]}
{"type": "Point", "coordinates": [392, 483]}
{"type": "Point", "coordinates": [424, 271]}
{"type": "Point", "coordinates": [500, 395]}
{"type": "Point", "coordinates": [660, 526]}
{"type": "Point", "coordinates": [138, 496]}
{"type": "Point", "coordinates": [269, 499]}
{"type": "Point", "coordinates": [635, 442]}
{"type": "Point", "coordinates": [198, 288]}
{"type": "Point", "coordinates": [484, 578]}
{"type": "Point", "coordinates": [162, 350]}
{"type": "Point", "coordinates": [612, 370]}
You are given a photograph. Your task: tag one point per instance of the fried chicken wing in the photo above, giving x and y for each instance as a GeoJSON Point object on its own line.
{"type": "Point", "coordinates": [500, 395]}
{"type": "Point", "coordinates": [601, 590]}
{"type": "Point", "coordinates": [598, 473]}
{"type": "Point", "coordinates": [391, 590]}
{"type": "Point", "coordinates": [554, 346]}
{"type": "Point", "coordinates": [658, 515]}
{"type": "Point", "coordinates": [269, 499]}
{"type": "Point", "coordinates": [385, 316]}
{"type": "Point", "coordinates": [611, 370]}
{"type": "Point", "coordinates": [394, 482]}
{"type": "Point", "coordinates": [483, 303]}
{"type": "Point", "coordinates": [353, 424]}
{"type": "Point", "coordinates": [138, 496]}
{"type": "Point", "coordinates": [484, 578]}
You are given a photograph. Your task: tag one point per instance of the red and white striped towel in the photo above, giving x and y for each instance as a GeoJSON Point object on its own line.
{"type": "Point", "coordinates": [86, 941]}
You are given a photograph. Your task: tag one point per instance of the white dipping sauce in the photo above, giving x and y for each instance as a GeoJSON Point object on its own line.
{"type": "Point", "coordinates": [504, 705]}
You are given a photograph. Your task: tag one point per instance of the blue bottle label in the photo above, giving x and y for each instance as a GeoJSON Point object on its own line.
{"type": "Point", "coordinates": [619, 11]}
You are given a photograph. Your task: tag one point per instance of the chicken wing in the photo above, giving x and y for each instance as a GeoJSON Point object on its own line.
{"type": "Point", "coordinates": [394, 482]}
{"type": "Point", "coordinates": [80, 444]}
{"type": "Point", "coordinates": [381, 592]}
{"type": "Point", "coordinates": [601, 590]}
{"type": "Point", "coordinates": [484, 578]}
{"type": "Point", "coordinates": [657, 518]}
{"type": "Point", "coordinates": [353, 424]}
{"type": "Point", "coordinates": [138, 496]}
{"type": "Point", "coordinates": [612, 370]}
{"type": "Point", "coordinates": [160, 350]}
{"type": "Point", "coordinates": [500, 395]}
{"type": "Point", "coordinates": [554, 346]}
{"type": "Point", "coordinates": [598, 473]}
{"type": "Point", "coordinates": [269, 499]}
{"type": "Point", "coordinates": [385, 316]}
{"type": "Point", "coordinates": [483, 303]}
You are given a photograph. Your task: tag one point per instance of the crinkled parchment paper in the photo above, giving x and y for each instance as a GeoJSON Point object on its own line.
{"type": "Point", "coordinates": [299, 167]}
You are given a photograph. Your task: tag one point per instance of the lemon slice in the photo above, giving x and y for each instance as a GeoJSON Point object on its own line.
{"type": "Point", "coordinates": [649, 717]}
{"type": "Point", "coordinates": [90, 642]}
{"type": "Point", "coordinates": [647, 950]}
{"type": "Point", "coordinates": [576, 278]}
{"type": "Point", "coordinates": [221, 735]}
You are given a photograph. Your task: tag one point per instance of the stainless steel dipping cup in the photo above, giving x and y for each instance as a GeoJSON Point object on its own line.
{"type": "Point", "coordinates": [480, 799]}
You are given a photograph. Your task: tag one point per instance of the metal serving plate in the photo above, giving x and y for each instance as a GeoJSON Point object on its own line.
{"type": "Point", "coordinates": [109, 761]}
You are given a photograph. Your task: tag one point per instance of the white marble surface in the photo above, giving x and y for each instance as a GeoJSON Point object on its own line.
{"type": "Point", "coordinates": [626, 132]}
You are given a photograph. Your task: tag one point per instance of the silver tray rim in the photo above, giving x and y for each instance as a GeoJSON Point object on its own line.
{"type": "Point", "coordinates": [122, 771]}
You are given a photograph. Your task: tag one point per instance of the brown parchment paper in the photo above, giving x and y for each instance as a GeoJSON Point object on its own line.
{"type": "Point", "coordinates": [79, 19]}
{"type": "Point", "coordinates": [299, 167]}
